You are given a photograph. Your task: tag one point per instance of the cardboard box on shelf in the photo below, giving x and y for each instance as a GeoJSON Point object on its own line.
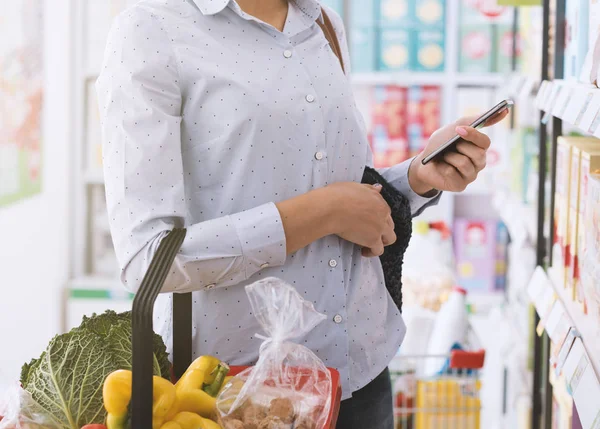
{"type": "Point", "coordinates": [389, 141]}
{"type": "Point", "coordinates": [475, 253]}
{"type": "Point", "coordinates": [475, 54]}
{"type": "Point", "coordinates": [430, 13]}
{"type": "Point", "coordinates": [423, 114]}
{"type": "Point", "coordinates": [576, 37]}
{"type": "Point", "coordinates": [561, 250]}
{"type": "Point", "coordinates": [590, 270]}
{"type": "Point", "coordinates": [395, 49]}
{"type": "Point", "coordinates": [363, 49]}
{"type": "Point", "coordinates": [396, 13]}
{"type": "Point", "coordinates": [429, 50]}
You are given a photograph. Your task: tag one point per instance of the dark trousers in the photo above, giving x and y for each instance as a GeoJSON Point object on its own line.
{"type": "Point", "coordinates": [370, 407]}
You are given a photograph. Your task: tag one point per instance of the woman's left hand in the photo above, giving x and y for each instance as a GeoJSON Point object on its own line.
{"type": "Point", "coordinates": [454, 170]}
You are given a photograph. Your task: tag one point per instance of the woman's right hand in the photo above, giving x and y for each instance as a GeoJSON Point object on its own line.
{"type": "Point", "coordinates": [362, 216]}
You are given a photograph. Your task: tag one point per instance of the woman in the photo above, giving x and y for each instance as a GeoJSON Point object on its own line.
{"type": "Point", "coordinates": [235, 120]}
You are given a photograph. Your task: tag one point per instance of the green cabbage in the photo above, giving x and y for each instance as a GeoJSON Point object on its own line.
{"type": "Point", "coordinates": [65, 382]}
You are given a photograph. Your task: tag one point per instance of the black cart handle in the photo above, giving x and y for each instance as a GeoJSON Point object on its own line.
{"type": "Point", "coordinates": [143, 307]}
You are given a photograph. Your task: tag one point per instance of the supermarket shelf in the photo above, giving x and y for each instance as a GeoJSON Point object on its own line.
{"type": "Point", "coordinates": [94, 177]}
{"type": "Point", "coordinates": [427, 78]}
{"type": "Point", "coordinates": [519, 87]}
{"type": "Point", "coordinates": [519, 218]}
{"type": "Point", "coordinates": [578, 349]}
{"type": "Point", "coordinates": [577, 104]}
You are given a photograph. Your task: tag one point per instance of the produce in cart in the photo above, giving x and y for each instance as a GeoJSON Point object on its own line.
{"type": "Point", "coordinates": [289, 386]}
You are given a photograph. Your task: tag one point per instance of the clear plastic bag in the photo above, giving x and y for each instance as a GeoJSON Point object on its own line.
{"type": "Point", "coordinates": [17, 411]}
{"type": "Point", "coordinates": [289, 386]}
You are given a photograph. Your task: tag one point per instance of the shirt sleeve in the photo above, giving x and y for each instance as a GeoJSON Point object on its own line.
{"type": "Point", "coordinates": [140, 104]}
{"type": "Point", "coordinates": [397, 176]}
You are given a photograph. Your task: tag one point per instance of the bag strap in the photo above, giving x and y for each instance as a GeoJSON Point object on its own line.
{"type": "Point", "coordinates": [331, 37]}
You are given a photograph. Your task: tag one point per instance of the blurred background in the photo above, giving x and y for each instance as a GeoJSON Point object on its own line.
{"type": "Point", "coordinates": [417, 64]}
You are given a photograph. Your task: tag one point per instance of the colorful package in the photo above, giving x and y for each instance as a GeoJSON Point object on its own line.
{"type": "Point", "coordinates": [475, 252]}
{"type": "Point", "coordinates": [576, 37]}
{"type": "Point", "coordinates": [395, 46]}
{"type": "Point", "coordinates": [502, 239]}
{"type": "Point", "coordinates": [429, 52]}
{"type": "Point", "coordinates": [430, 13]}
{"type": "Point", "coordinates": [561, 207]}
{"type": "Point", "coordinates": [423, 116]}
{"type": "Point", "coordinates": [389, 141]}
{"type": "Point", "coordinates": [362, 42]}
{"type": "Point", "coordinates": [590, 272]}
{"type": "Point", "coordinates": [503, 48]}
{"type": "Point", "coordinates": [396, 13]}
{"type": "Point", "coordinates": [475, 54]}
{"type": "Point", "coordinates": [573, 217]}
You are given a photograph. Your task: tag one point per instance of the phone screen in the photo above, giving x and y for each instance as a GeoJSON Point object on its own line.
{"type": "Point", "coordinates": [478, 123]}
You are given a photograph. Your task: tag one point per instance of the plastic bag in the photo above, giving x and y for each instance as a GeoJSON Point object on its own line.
{"type": "Point", "coordinates": [17, 411]}
{"type": "Point", "coordinates": [289, 386]}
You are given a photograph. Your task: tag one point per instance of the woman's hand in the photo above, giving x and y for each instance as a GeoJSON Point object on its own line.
{"type": "Point", "coordinates": [454, 170]}
{"type": "Point", "coordinates": [362, 216]}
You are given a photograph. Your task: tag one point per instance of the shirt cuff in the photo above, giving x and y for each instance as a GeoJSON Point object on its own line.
{"type": "Point", "coordinates": [397, 176]}
{"type": "Point", "coordinates": [262, 238]}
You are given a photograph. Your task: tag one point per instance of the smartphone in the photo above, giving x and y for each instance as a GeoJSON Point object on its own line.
{"type": "Point", "coordinates": [479, 122]}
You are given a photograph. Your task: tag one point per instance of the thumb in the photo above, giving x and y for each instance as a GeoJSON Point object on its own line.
{"type": "Point", "coordinates": [377, 187]}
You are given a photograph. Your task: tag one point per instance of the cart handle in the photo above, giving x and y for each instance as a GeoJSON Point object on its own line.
{"type": "Point", "coordinates": [461, 359]}
{"type": "Point", "coordinates": [142, 332]}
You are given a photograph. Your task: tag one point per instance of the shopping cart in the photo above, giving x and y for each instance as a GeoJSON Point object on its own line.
{"type": "Point", "coordinates": [448, 399]}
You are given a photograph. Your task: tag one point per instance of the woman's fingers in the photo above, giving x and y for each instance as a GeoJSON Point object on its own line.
{"type": "Point", "coordinates": [476, 154]}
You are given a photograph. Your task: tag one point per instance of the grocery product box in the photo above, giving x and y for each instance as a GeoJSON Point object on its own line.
{"type": "Point", "coordinates": [364, 13]}
{"type": "Point", "coordinates": [396, 13]}
{"type": "Point", "coordinates": [395, 49]}
{"type": "Point", "coordinates": [590, 272]}
{"type": "Point", "coordinates": [589, 162]}
{"type": "Point", "coordinates": [576, 37]}
{"type": "Point", "coordinates": [363, 49]}
{"type": "Point", "coordinates": [502, 48]}
{"type": "Point", "coordinates": [423, 116]}
{"type": "Point", "coordinates": [475, 53]}
{"type": "Point", "coordinates": [502, 239]}
{"type": "Point", "coordinates": [573, 218]}
{"type": "Point", "coordinates": [430, 13]}
{"type": "Point", "coordinates": [389, 141]}
{"type": "Point", "coordinates": [560, 254]}
{"type": "Point", "coordinates": [475, 253]}
{"type": "Point", "coordinates": [429, 50]}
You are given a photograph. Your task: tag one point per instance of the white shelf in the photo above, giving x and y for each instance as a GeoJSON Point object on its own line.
{"type": "Point", "coordinates": [577, 104]}
{"type": "Point", "coordinates": [519, 218]}
{"type": "Point", "coordinates": [428, 78]}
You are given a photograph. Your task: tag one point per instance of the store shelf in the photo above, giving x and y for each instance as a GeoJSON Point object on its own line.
{"type": "Point", "coordinates": [519, 87]}
{"type": "Point", "coordinates": [575, 103]}
{"type": "Point", "coordinates": [426, 78]}
{"type": "Point", "coordinates": [95, 283]}
{"type": "Point", "coordinates": [519, 218]}
{"type": "Point", "coordinates": [579, 350]}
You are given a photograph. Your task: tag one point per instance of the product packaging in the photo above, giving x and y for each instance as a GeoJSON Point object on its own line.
{"type": "Point", "coordinates": [389, 140]}
{"type": "Point", "coordinates": [561, 250]}
{"type": "Point", "coordinates": [430, 13]}
{"type": "Point", "coordinates": [429, 50]}
{"type": "Point", "coordinates": [503, 48]}
{"type": "Point", "coordinates": [289, 385]}
{"type": "Point", "coordinates": [362, 42]}
{"type": "Point", "coordinates": [396, 13]}
{"type": "Point", "coordinates": [502, 239]}
{"type": "Point", "coordinates": [475, 54]}
{"type": "Point", "coordinates": [475, 253]}
{"type": "Point", "coordinates": [423, 116]}
{"type": "Point", "coordinates": [573, 218]}
{"type": "Point", "coordinates": [395, 49]}
{"type": "Point", "coordinates": [576, 37]}
{"type": "Point", "coordinates": [590, 272]}
{"type": "Point", "coordinates": [18, 411]}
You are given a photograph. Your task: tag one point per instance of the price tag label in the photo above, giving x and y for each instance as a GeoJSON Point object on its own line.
{"type": "Point", "coordinates": [539, 281]}
{"type": "Point", "coordinates": [584, 108]}
{"type": "Point", "coordinates": [542, 94]}
{"type": "Point", "coordinates": [562, 102]}
{"type": "Point", "coordinates": [556, 91]}
{"type": "Point", "coordinates": [595, 125]}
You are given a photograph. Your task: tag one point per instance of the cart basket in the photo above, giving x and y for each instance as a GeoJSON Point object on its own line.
{"type": "Point", "coordinates": [142, 332]}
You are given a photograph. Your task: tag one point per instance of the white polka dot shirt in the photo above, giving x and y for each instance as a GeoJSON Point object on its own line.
{"type": "Point", "coordinates": [209, 118]}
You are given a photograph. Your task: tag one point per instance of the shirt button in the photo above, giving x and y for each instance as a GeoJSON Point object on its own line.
{"type": "Point", "coordinates": [210, 286]}
{"type": "Point", "coordinates": [265, 265]}
{"type": "Point", "coordinates": [287, 53]}
{"type": "Point", "coordinates": [332, 263]}
{"type": "Point", "coordinates": [338, 319]}
{"type": "Point", "coordinates": [310, 98]}
{"type": "Point", "coordinates": [319, 156]}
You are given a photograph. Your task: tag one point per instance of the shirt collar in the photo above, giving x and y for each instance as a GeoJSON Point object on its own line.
{"type": "Point", "coordinates": [310, 8]}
